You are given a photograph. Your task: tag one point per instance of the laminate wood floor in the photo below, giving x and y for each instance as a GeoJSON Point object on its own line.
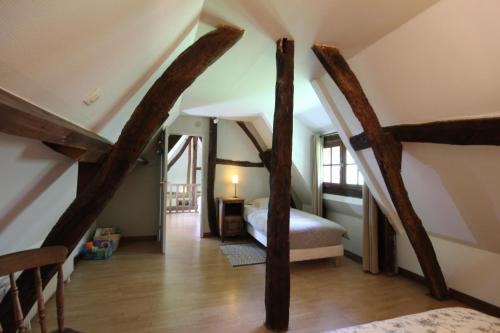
{"type": "Point", "coordinates": [195, 289]}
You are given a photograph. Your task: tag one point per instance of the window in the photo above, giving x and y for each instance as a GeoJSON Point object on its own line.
{"type": "Point", "coordinates": [340, 172]}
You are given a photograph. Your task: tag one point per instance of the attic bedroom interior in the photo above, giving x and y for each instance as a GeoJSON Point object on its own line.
{"type": "Point", "coordinates": [249, 166]}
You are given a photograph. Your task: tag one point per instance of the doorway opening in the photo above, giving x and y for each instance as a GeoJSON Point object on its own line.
{"type": "Point", "coordinates": [184, 174]}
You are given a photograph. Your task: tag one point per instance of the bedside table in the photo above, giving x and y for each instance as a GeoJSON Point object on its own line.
{"type": "Point", "coordinates": [230, 217]}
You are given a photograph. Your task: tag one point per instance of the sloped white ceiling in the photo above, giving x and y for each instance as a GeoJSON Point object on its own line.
{"type": "Point", "coordinates": [242, 82]}
{"type": "Point", "coordinates": [55, 53]}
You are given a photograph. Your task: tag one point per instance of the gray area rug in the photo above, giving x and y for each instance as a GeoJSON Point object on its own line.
{"type": "Point", "coordinates": [244, 254]}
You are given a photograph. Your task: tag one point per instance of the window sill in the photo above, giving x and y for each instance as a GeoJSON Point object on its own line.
{"type": "Point", "coordinates": [342, 204]}
{"type": "Point", "coordinates": [343, 199]}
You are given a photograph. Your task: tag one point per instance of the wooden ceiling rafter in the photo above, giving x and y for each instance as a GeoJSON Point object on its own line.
{"type": "Point", "coordinates": [482, 131]}
{"type": "Point", "coordinates": [388, 152]}
{"type": "Point", "coordinates": [244, 164]}
{"type": "Point", "coordinates": [146, 120]}
{"type": "Point", "coordinates": [22, 118]}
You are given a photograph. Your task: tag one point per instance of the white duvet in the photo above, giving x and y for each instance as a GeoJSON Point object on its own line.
{"type": "Point", "coordinates": [447, 320]}
{"type": "Point", "coordinates": [306, 230]}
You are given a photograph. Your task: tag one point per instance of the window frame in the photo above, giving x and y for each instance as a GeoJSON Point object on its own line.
{"type": "Point", "coordinates": [344, 189]}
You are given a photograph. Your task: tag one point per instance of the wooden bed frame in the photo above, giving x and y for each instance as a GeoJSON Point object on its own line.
{"type": "Point", "coordinates": [336, 251]}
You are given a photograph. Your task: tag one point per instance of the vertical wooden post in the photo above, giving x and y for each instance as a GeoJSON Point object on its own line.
{"type": "Point", "coordinates": [278, 221]}
{"type": "Point", "coordinates": [188, 175]}
{"type": "Point", "coordinates": [387, 245]}
{"type": "Point", "coordinates": [18, 312]}
{"type": "Point", "coordinates": [212, 162]}
{"type": "Point", "coordinates": [194, 192]}
{"type": "Point", "coordinates": [187, 192]}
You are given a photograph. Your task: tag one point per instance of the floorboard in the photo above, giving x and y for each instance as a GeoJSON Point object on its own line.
{"type": "Point", "coordinates": [195, 289]}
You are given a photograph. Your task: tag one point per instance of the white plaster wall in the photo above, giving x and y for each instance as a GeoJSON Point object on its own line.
{"type": "Point", "coordinates": [37, 185]}
{"type": "Point", "coordinates": [348, 212]}
{"type": "Point", "coordinates": [440, 65]}
{"type": "Point", "coordinates": [467, 269]}
{"type": "Point", "coordinates": [301, 157]}
{"type": "Point", "coordinates": [134, 209]}
{"type": "Point", "coordinates": [302, 152]}
{"type": "Point", "coordinates": [234, 144]}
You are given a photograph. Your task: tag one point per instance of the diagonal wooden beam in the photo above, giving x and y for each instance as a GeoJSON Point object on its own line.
{"type": "Point", "coordinates": [483, 131]}
{"type": "Point", "coordinates": [277, 296]}
{"type": "Point", "coordinates": [387, 151]}
{"type": "Point", "coordinates": [22, 118]}
{"type": "Point", "coordinates": [252, 138]}
{"type": "Point", "coordinates": [265, 155]}
{"type": "Point", "coordinates": [172, 140]}
{"type": "Point", "coordinates": [146, 120]}
{"type": "Point", "coordinates": [179, 153]}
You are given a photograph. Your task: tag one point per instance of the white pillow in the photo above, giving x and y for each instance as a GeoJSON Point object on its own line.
{"type": "Point", "coordinates": [261, 202]}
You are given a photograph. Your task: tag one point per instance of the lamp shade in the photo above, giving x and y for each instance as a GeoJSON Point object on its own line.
{"type": "Point", "coordinates": [234, 179]}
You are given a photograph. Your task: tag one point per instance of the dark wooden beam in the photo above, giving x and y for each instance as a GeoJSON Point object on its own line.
{"type": "Point", "coordinates": [266, 156]}
{"type": "Point", "coordinates": [179, 153]}
{"type": "Point", "coordinates": [483, 131]}
{"type": "Point", "coordinates": [145, 121]}
{"type": "Point", "coordinates": [172, 140]}
{"type": "Point", "coordinates": [387, 151]}
{"type": "Point", "coordinates": [277, 297]}
{"type": "Point", "coordinates": [86, 172]}
{"type": "Point", "coordinates": [194, 166]}
{"type": "Point", "coordinates": [77, 154]}
{"type": "Point", "coordinates": [250, 136]}
{"type": "Point", "coordinates": [211, 167]}
{"type": "Point", "coordinates": [21, 118]}
{"type": "Point", "coordinates": [188, 175]}
{"type": "Point", "coordinates": [387, 245]}
{"type": "Point", "coordinates": [245, 164]}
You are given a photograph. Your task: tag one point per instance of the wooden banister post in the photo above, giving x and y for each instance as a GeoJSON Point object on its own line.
{"type": "Point", "coordinates": [40, 300]}
{"type": "Point", "coordinates": [194, 193]}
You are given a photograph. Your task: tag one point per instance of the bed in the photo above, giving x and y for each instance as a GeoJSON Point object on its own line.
{"type": "Point", "coordinates": [446, 320]}
{"type": "Point", "coordinates": [311, 236]}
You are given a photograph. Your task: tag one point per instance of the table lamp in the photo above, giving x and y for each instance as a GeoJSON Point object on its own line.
{"type": "Point", "coordinates": [234, 180]}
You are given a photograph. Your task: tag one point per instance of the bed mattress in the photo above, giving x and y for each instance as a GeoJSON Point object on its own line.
{"type": "Point", "coordinates": [447, 320]}
{"type": "Point", "coordinates": [306, 230]}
